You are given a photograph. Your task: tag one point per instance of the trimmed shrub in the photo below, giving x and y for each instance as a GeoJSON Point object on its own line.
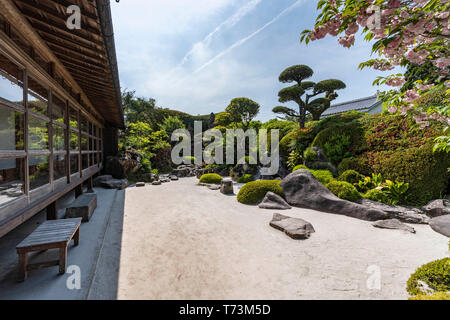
{"type": "Point", "coordinates": [435, 274]}
{"type": "Point", "coordinates": [434, 296]}
{"type": "Point", "coordinates": [357, 164]}
{"type": "Point", "coordinates": [300, 166]}
{"type": "Point", "coordinates": [212, 178]}
{"type": "Point", "coordinates": [310, 155]}
{"type": "Point", "coordinates": [324, 176]}
{"type": "Point", "coordinates": [351, 176]}
{"type": "Point", "coordinates": [377, 195]}
{"type": "Point", "coordinates": [253, 192]}
{"type": "Point", "coordinates": [246, 178]}
{"type": "Point", "coordinates": [296, 140]}
{"type": "Point", "coordinates": [344, 190]}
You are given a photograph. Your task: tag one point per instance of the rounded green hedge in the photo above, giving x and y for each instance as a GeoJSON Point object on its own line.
{"type": "Point", "coordinates": [435, 274]}
{"type": "Point", "coordinates": [357, 164]}
{"type": "Point", "coordinates": [212, 178]}
{"type": "Point", "coordinates": [246, 178]}
{"type": "Point", "coordinates": [300, 166]}
{"type": "Point", "coordinates": [324, 176]}
{"type": "Point", "coordinates": [253, 192]}
{"type": "Point", "coordinates": [376, 195]}
{"type": "Point", "coordinates": [344, 190]}
{"type": "Point", "coordinates": [351, 176]}
{"type": "Point", "coordinates": [298, 139]}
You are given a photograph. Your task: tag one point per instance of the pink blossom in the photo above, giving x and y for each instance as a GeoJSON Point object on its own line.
{"type": "Point", "coordinates": [347, 41]}
{"type": "Point", "coordinates": [392, 109]}
{"type": "Point", "coordinates": [352, 29]}
{"type": "Point", "coordinates": [442, 15]}
{"type": "Point", "coordinates": [443, 62]}
{"type": "Point", "coordinates": [411, 96]}
{"type": "Point", "coordinates": [395, 82]}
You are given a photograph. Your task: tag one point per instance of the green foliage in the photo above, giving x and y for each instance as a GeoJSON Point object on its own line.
{"type": "Point", "coordinates": [297, 140]}
{"type": "Point", "coordinates": [340, 141]}
{"type": "Point", "coordinates": [243, 110]}
{"type": "Point", "coordinates": [415, 72]}
{"type": "Point", "coordinates": [372, 182]}
{"type": "Point", "coordinates": [189, 159]}
{"type": "Point", "coordinates": [353, 163]}
{"type": "Point", "coordinates": [351, 176]}
{"type": "Point", "coordinates": [310, 155]}
{"type": "Point", "coordinates": [344, 190]}
{"type": "Point", "coordinates": [395, 191]}
{"type": "Point", "coordinates": [284, 127]}
{"type": "Point", "coordinates": [171, 124]}
{"type": "Point", "coordinates": [253, 192]}
{"type": "Point", "coordinates": [294, 159]}
{"type": "Point", "coordinates": [296, 73]}
{"type": "Point", "coordinates": [300, 166]}
{"type": "Point", "coordinates": [212, 178]}
{"type": "Point", "coordinates": [376, 195]}
{"type": "Point", "coordinates": [435, 274]}
{"type": "Point", "coordinates": [324, 176]}
{"type": "Point", "coordinates": [246, 178]}
{"type": "Point", "coordinates": [434, 296]}
{"type": "Point", "coordinates": [223, 119]}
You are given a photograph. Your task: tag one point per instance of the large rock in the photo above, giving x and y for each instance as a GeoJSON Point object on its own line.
{"type": "Point", "coordinates": [83, 207]}
{"type": "Point", "coordinates": [393, 224]}
{"type": "Point", "coordinates": [294, 227]}
{"type": "Point", "coordinates": [437, 208]}
{"type": "Point", "coordinates": [404, 214]}
{"type": "Point", "coordinates": [227, 186]}
{"type": "Point", "coordinates": [123, 164]}
{"type": "Point", "coordinates": [115, 184]}
{"type": "Point", "coordinates": [302, 189]}
{"type": "Point", "coordinates": [441, 225]}
{"type": "Point", "coordinates": [149, 177]}
{"type": "Point", "coordinates": [98, 181]}
{"type": "Point", "coordinates": [274, 201]}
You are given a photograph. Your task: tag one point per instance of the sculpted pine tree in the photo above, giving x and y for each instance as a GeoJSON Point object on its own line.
{"type": "Point", "coordinates": [303, 93]}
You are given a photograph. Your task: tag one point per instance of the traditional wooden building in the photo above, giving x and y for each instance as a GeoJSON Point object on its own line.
{"type": "Point", "coordinates": [60, 103]}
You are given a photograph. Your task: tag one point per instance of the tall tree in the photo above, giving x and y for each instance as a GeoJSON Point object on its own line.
{"type": "Point", "coordinates": [243, 110]}
{"type": "Point", "coordinates": [309, 90]}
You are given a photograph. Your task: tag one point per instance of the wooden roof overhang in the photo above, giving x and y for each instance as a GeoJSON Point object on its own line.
{"type": "Point", "coordinates": [85, 57]}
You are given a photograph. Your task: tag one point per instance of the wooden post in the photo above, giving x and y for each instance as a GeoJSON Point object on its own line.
{"type": "Point", "coordinates": [90, 185]}
{"type": "Point", "coordinates": [62, 259]}
{"type": "Point", "coordinates": [78, 190]}
{"type": "Point", "coordinates": [52, 211]}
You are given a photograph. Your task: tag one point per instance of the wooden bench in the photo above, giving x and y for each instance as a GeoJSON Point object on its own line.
{"type": "Point", "coordinates": [52, 234]}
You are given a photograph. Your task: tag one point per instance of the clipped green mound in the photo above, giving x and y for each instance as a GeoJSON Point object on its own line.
{"type": "Point", "coordinates": [300, 166]}
{"type": "Point", "coordinates": [344, 190]}
{"type": "Point", "coordinates": [435, 274]}
{"type": "Point", "coordinates": [351, 176]}
{"type": "Point", "coordinates": [246, 178]}
{"type": "Point", "coordinates": [324, 176]}
{"type": "Point", "coordinates": [376, 195]}
{"type": "Point", "coordinates": [434, 296]}
{"type": "Point", "coordinates": [212, 178]}
{"type": "Point", "coordinates": [253, 192]}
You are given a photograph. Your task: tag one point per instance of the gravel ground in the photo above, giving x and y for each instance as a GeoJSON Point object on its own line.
{"type": "Point", "coordinates": [184, 241]}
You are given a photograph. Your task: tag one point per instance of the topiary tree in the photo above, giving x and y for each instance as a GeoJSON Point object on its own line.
{"type": "Point", "coordinates": [309, 89]}
{"type": "Point", "coordinates": [243, 110]}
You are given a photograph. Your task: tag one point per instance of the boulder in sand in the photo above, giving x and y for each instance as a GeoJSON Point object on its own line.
{"type": "Point", "coordinates": [274, 201]}
{"type": "Point", "coordinates": [115, 184]}
{"type": "Point", "coordinates": [441, 225]}
{"type": "Point", "coordinates": [437, 208]}
{"type": "Point", "coordinates": [393, 224]}
{"type": "Point", "coordinates": [302, 189]}
{"type": "Point", "coordinates": [294, 227]}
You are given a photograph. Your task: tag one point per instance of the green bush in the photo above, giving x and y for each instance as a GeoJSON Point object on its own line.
{"type": "Point", "coordinates": [357, 164]}
{"type": "Point", "coordinates": [189, 159]}
{"type": "Point", "coordinates": [344, 190]}
{"type": "Point", "coordinates": [351, 176]}
{"type": "Point", "coordinates": [300, 166]}
{"type": "Point", "coordinates": [376, 195]}
{"type": "Point", "coordinates": [212, 178]}
{"type": "Point", "coordinates": [297, 140]}
{"type": "Point", "coordinates": [324, 176]}
{"type": "Point", "coordinates": [434, 296]}
{"type": "Point", "coordinates": [253, 192]}
{"type": "Point", "coordinates": [246, 178]}
{"type": "Point", "coordinates": [435, 274]}
{"type": "Point", "coordinates": [310, 155]}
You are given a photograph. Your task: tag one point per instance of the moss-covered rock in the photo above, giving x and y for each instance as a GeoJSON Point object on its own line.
{"type": "Point", "coordinates": [436, 275]}
{"type": "Point", "coordinates": [344, 190]}
{"type": "Point", "coordinates": [324, 176]}
{"type": "Point", "coordinates": [212, 178]}
{"type": "Point", "coordinates": [253, 192]}
{"type": "Point", "coordinates": [300, 166]}
{"type": "Point", "coordinates": [351, 176]}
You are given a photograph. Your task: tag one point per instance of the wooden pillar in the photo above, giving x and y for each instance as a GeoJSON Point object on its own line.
{"type": "Point", "coordinates": [52, 211]}
{"type": "Point", "coordinates": [78, 190]}
{"type": "Point", "coordinates": [90, 185]}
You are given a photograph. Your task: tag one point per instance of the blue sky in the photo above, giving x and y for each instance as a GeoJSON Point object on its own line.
{"type": "Point", "coordinates": [197, 55]}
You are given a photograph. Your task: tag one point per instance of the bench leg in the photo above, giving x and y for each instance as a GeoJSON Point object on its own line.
{"type": "Point", "coordinates": [62, 259]}
{"type": "Point", "coordinates": [23, 263]}
{"type": "Point", "coordinates": [76, 237]}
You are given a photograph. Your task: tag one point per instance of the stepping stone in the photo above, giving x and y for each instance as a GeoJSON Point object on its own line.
{"type": "Point", "coordinates": [115, 184]}
{"type": "Point", "coordinates": [393, 224]}
{"type": "Point", "coordinates": [227, 186]}
{"type": "Point", "coordinates": [213, 187]}
{"type": "Point", "coordinates": [157, 183]}
{"type": "Point", "coordinates": [294, 227]}
{"type": "Point", "coordinates": [173, 178]}
{"type": "Point", "coordinates": [274, 201]}
{"type": "Point", "coordinates": [140, 184]}
{"type": "Point", "coordinates": [83, 207]}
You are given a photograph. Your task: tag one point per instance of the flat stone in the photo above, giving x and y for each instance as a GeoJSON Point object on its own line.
{"type": "Point", "coordinates": [173, 178]}
{"type": "Point", "coordinates": [437, 208]}
{"type": "Point", "coordinates": [441, 225]}
{"type": "Point", "coordinates": [402, 213]}
{"type": "Point", "coordinates": [98, 181]}
{"type": "Point", "coordinates": [226, 186]}
{"type": "Point", "coordinates": [393, 224]}
{"type": "Point", "coordinates": [83, 207]}
{"type": "Point", "coordinates": [115, 184]}
{"type": "Point", "coordinates": [140, 184]}
{"type": "Point", "coordinates": [213, 187]}
{"type": "Point", "coordinates": [274, 201]}
{"type": "Point", "coordinates": [165, 180]}
{"type": "Point", "coordinates": [302, 189]}
{"type": "Point", "coordinates": [157, 183]}
{"type": "Point", "coordinates": [294, 227]}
